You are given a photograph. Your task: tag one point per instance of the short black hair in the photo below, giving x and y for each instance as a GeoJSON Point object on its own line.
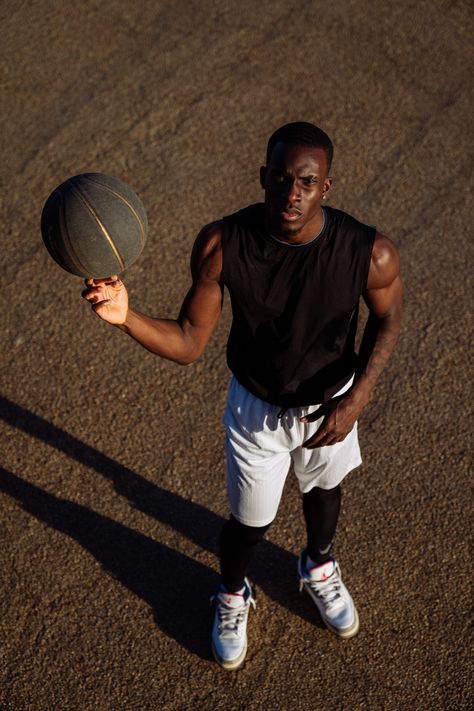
{"type": "Point", "coordinates": [301, 133]}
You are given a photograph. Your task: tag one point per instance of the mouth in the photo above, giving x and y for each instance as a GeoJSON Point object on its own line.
{"type": "Point", "coordinates": [290, 215]}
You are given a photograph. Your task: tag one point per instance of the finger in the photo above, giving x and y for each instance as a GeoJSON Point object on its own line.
{"type": "Point", "coordinates": [340, 438]}
{"type": "Point", "coordinates": [93, 293]}
{"type": "Point", "coordinates": [99, 307]}
{"type": "Point", "coordinates": [88, 296]}
{"type": "Point", "coordinates": [325, 429]}
{"type": "Point", "coordinates": [324, 441]}
{"type": "Point", "coordinates": [311, 443]}
{"type": "Point", "coordinates": [325, 409]}
{"type": "Point", "coordinates": [315, 439]}
{"type": "Point", "coordinates": [320, 412]}
{"type": "Point", "coordinates": [328, 440]}
{"type": "Point", "coordinates": [108, 281]}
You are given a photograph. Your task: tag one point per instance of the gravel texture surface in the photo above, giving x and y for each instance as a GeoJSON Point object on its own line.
{"type": "Point", "coordinates": [112, 481]}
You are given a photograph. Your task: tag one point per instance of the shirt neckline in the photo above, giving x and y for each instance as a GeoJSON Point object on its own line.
{"type": "Point", "coordinates": [304, 244]}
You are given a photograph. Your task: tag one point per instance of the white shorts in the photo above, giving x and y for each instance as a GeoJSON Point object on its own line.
{"type": "Point", "coordinates": [260, 448]}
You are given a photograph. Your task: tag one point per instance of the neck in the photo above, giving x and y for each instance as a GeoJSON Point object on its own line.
{"type": "Point", "coordinates": [299, 236]}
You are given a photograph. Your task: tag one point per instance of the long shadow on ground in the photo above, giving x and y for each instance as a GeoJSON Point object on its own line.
{"type": "Point", "coordinates": [148, 568]}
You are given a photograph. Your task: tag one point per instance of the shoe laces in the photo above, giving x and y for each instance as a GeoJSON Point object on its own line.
{"type": "Point", "coordinates": [328, 591]}
{"type": "Point", "coordinates": [232, 618]}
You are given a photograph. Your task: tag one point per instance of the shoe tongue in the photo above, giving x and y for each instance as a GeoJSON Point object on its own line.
{"type": "Point", "coordinates": [322, 572]}
{"type": "Point", "coordinates": [231, 599]}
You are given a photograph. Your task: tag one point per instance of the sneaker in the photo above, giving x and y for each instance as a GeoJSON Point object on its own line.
{"type": "Point", "coordinates": [324, 584]}
{"type": "Point", "coordinates": [229, 631]}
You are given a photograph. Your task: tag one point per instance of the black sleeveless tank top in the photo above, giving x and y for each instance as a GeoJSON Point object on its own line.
{"type": "Point", "coordinates": [294, 307]}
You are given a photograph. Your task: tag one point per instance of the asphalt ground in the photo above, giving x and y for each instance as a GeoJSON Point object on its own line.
{"type": "Point", "coordinates": [112, 480]}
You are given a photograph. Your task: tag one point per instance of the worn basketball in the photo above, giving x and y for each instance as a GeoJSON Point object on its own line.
{"type": "Point", "coordinates": [94, 225]}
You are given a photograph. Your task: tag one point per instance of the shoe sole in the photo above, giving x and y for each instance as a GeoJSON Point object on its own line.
{"type": "Point", "coordinates": [233, 664]}
{"type": "Point", "coordinates": [344, 633]}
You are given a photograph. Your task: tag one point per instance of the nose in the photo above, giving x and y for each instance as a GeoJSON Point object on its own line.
{"type": "Point", "coordinates": [293, 192]}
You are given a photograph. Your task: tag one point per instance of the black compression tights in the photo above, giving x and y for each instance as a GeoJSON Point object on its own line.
{"type": "Point", "coordinates": [321, 511]}
{"type": "Point", "coordinates": [237, 546]}
{"type": "Point", "coordinates": [238, 542]}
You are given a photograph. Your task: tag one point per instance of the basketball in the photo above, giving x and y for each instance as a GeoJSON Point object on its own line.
{"type": "Point", "coordinates": [94, 225]}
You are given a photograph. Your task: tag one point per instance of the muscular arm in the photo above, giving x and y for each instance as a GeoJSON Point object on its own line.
{"type": "Point", "coordinates": [383, 297]}
{"type": "Point", "coordinates": [181, 340]}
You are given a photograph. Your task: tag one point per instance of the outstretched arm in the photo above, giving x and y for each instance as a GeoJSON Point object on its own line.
{"type": "Point", "coordinates": [383, 297]}
{"type": "Point", "coordinates": [183, 339]}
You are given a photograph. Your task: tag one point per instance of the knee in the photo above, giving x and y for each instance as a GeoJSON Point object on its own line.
{"type": "Point", "coordinates": [324, 495]}
{"type": "Point", "coordinates": [234, 531]}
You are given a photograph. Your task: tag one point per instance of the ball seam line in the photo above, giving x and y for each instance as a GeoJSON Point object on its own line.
{"type": "Point", "coordinates": [127, 203]}
{"type": "Point", "coordinates": [67, 242]}
{"type": "Point", "coordinates": [104, 230]}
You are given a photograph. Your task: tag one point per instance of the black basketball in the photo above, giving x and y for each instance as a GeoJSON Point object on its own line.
{"type": "Point", "coordinates": [94, 225]}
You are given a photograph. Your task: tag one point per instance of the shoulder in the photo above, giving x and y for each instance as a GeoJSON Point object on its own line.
{"type": "Point", "coordinates": [206, 255]}
{"type": "Point", "coordinates": [384, 263]}
{"type": "Point", "coordinates": [351, 232]}
{"type": "Point", "coordinates": [250, 217]}
{"type": "Point", "coordinates": [344, 219]}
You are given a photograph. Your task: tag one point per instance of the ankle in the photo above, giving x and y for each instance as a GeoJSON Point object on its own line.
{"type": "Point", "coordinates": [318, 558]}
{"type": "Point", "coordinates": [230, 590]}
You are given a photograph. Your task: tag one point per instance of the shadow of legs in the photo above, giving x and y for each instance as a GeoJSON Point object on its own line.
{"type": "Point", "coordinates": [273, 569]}
{"type": "Point", "coordinates": [152, 571]}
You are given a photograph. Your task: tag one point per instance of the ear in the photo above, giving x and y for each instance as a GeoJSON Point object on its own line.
{"type": "Point", "coordinates": [326, 187]}
{"type": "Point", "coordinates": [263, 175]}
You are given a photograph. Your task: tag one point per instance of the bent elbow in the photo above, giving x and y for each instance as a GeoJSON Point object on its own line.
{"type": "Point", "coordinates": [188, 358]}
{"type": "Point", "coordinates": [185, 361]}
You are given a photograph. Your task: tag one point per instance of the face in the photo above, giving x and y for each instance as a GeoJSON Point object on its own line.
{"type": "Point", "coordinates": [294, 181]}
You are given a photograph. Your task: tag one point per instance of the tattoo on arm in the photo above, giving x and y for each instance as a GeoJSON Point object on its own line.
{"type": "Point", "coordinates": [378, 342]}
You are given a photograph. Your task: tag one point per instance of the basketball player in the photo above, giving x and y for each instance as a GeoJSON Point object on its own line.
{"type": "Point", "coordinates": [295, 270]}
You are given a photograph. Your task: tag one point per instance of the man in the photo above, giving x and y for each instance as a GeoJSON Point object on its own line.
{"type": "Point", "coordinates": [295, 270]}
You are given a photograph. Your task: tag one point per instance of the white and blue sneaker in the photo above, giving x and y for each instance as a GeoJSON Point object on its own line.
{"type": "Point", "coordinates": [229, 631]}
{"type": "Point", "coordinates": [324, 585]}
